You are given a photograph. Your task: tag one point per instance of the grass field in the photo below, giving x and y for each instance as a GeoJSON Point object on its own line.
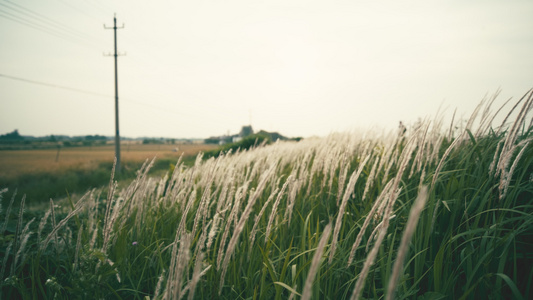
{"type": "Point", "coordinates": [430, 214]}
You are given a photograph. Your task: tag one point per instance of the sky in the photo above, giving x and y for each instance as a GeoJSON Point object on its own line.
{"type": "Point", "coordinates": [195, 69]}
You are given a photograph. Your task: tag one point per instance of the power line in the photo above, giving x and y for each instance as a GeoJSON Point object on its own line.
{"type": "Point", "coordinates": [55, 86]}
{"type": "Point", "coordinates": [34, 23]}
{"type": "Point", "coordinates": [126, 99]}
{"type": "Point", "coordinates": [47, 20]}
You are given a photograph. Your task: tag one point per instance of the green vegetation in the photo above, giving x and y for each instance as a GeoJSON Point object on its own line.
{"type": "Point", "coordinates": [426, 215]}
{"type": "Point", "coordinates": [246, 143]}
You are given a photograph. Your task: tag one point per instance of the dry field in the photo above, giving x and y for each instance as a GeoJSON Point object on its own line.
{"type": "Point", "coordinates": [14, 163]}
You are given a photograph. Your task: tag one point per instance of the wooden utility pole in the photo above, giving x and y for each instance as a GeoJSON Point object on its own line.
{"type": "Point", "coordinates": [117, 132]}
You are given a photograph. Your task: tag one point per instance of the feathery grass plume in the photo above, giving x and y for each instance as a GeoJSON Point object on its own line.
{"type": "Point", "coordinates": [190, 202]}
{"type": "Point", "coordinates": [417, 162]}
{"type": "Point", "coordinates": [504, 184]}
{"type": "Point", "coordinates": [200, 244]}
{"type": "Point", "coordinates": [44, 219]}
{"type": "Point", "coordinates": [196, 274]}
{"type": "Point", "coordinates": [370, 179]}
{"type": "Point", "coordinates": [159, 285]}
{"type": "Point", "coordinates": [260, 214]}
{"type": "Point", "coordinates": [53, 234]}
{"type": "Point", "coordinates": [408, 232]}
{"type": "Point", "coordinates": [244, 217]}
{"type": "Point", "coordinates": [349, 189]}
{"type": "Point", "coordinates": [443, 159]}
{"type": "Point", "coordinates": [6, 257]}
{"type": "Point", "coordinates": [24, 236]}
{"type": "Point", "coordinates": [294, 187]}
{"type": "Point", "coordinates": [343, 173]}
{"type": "Point", "coordinates": [175, 277]}
{"type": "Point", "coordinates": [112, 218]}
{"type": "Point", "coordinates": [486, 119]}
{"type": "Point", "coordinates": [54, 224]}
{"type": "Point", "coordinates": [307, 292]}
{"type": "Point", "coordinates": [451, 125]}
{"type": "Point", "coordinates": [214, 228]}
{"type": "Point", "coordinates": [202, 211]}
{"type": "Point", "coordinates": [233, 214]}
{"type": "Point", "coordinates": [18, 230]}
{"type": "Point", "coordinates": [78, 248]}
{"type": "Point", "coordinates": [381, 198]}
{"type": "Point", "coordinates": [495, 158]}
{"type": "Point", "coordinates": [508, 146]}
{"type": "Point", "coordinates": [504, 122]}
{"type": "Point", "coordinates": [8, 212]}
{"type": "Point", "coordinates": [274, 210]}
{"type": "Point", "coordinates": [404, 159]}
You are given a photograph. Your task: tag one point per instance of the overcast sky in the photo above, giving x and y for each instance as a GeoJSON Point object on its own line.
{"type": "Point", "coordinates": [302, 68]}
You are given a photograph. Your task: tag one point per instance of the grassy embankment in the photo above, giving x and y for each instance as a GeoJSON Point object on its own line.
{"type": "Point", "coordinates": [430, 215]}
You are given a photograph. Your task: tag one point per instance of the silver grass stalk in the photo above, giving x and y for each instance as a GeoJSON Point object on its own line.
{"type": "Point", "coordinates": [24, 236]}
{"type": "Point", "coordinates": [258, 217]}
{"type": "Point", "coordinates": [78, 248]}
{"type": "Point", "coordinates": [214, 228]}
{"type": "Point", "coordinates": [394, 195]}
{"type": "Point", "coordinates": [382, 198]}
{"type": "Point", "coordinates": [195, 275]}
{"type": "Point", "coordinates": [349, 189]}
{"type": "Point", "coordinates": [60, 225]}
{"type": "Point", "coordinates": [159, 285]}
{"type": "Point", "coordinates": [8, 211]}
{"type": "Point", "coordinates": [502, 126]}
{"type": "Point", "coordinates": [233, 213]}
{"type": "Point", "coordinates": [504, 184]}
{"type": "Point", "coordinates": [370, 179]}
{"type": "Point", "coordinates": [42, 224]}
{"type": "Point", "coordinates": [495, 158]}
{"type": "Point", "coordinates": [52, 208]}
{"type": "Point", "coordinates": [18, 230]}
{"type": "Point", "coordinates": [181, 226]}
{"type": "Point", "coordinates": [443, 159]}
{"type": "Point", "coordinates": [200, 245]}
{"type": "Point", "coordinates": [414, 215]}
{"type": "Point", "coordinates": [293, 191]}
{"type": "Point", "coordinates": [275, 207]}
{"type": "Point", "coordinates": [240, 226]}
{"type": "Point", "coordinates": [6, 256]}
{"type": "Point", "coordinates": [173, 288]}
{"type": "Point", "coordinates": [342, 178]}
{"type": "Point", "coordinates": [308, 287]}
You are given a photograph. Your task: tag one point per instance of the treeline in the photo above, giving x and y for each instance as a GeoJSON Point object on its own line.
{"type": "Point", "coordinates": [14, 141]}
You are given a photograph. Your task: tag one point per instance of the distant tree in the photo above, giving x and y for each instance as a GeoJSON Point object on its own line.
{"type": "Point", "coordinates": [12, 136]}
{"type": "Point", "coordinates": [212, 140]}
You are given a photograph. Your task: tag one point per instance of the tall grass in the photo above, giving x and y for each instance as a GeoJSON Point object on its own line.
{"type": "Point", "coordinates": [323, 218]}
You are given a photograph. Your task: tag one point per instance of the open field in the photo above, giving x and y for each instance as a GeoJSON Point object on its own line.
{"type": "Point", "coordinates": [15, 163]}
{"type": "Point", "coordinates": [428, 214]}
{"type": "Point", "coordinates": [38, 175]}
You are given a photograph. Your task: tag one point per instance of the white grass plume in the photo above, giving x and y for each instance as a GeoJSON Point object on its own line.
{"type": "Point", "coordinates": [408, 232]}
{"type": "Point", "coordinates": [349, 190]}
{"type": "Point", "coordinates": [308, 287]}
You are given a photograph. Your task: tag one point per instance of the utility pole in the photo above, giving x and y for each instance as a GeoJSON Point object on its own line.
{"type": "Point", "coordinates": [117, 132]}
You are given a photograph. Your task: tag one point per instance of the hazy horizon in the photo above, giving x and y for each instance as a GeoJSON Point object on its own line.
{"type": "Point", "coordinates": [301, 68]}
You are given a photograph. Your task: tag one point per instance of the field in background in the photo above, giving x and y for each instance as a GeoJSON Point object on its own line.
{"type": "Point", "coordinates": [41, 174]}
{"type": "Point", "coordinates": [14, 163]}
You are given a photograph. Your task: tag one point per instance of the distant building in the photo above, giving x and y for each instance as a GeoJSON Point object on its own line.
{"type": "Point", "coordinates": [246, 131]}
